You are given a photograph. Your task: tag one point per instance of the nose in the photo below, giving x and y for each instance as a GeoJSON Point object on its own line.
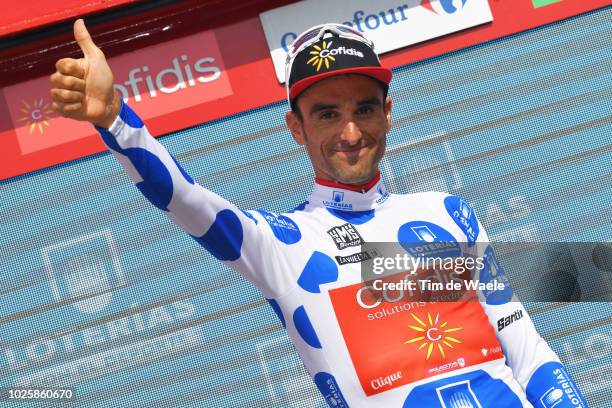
{"type": "Point", "coordinates": [351, 134]}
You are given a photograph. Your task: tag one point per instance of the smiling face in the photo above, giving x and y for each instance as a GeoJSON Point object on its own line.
{"type": "Point", "coordinates": [343, 125]}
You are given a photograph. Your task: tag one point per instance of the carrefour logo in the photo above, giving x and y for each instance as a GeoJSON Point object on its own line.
{"type": "Point", "coordinates": [448, 6]}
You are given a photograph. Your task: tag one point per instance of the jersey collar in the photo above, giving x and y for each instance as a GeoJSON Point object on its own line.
{"type": "Point", "coordinates": [337, 196]}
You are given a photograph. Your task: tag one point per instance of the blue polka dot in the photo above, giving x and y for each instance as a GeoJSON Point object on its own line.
{"type": "Point", "coordinates": [156, 184]}
{"type": "Point", "coordinates": [476, 388]}
{"type": "Point", "coordinates": [464, 217]}
{"type": "Point", "coordinates": [284, 228]}
{"type": "Point", "coordinates": [546, 380]}
{"type": "Point", "coordinates": [299, 207]}
{"type": "Point", "coordinates": [319, 269]}
{"type": "Point", "coordinates": [248, 214]}
{"type": "Point", "coordinates": [109, 139]}
{"type": "Point", "coordinates": [130, 117]}
{"type": "Point", "coordinates": [422, 238]}
{"type": "Point", "coordinates": [224, 238]}
{"type": "Point", "coordinates": [327, 384]}
{"type": "Point", "coordinates": [304, 327]}
{"type": "Point", "coordinates": [493, 271]}
{"type": "Point", "coordinates": [274, 304]}
{"type": "Point", "coordinates": [353, 217]}
{"type": "Point", "coordinates": [183, 172]}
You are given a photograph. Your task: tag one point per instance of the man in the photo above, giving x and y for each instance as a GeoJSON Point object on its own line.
{"type": "Point", "coordinates": [362, 348]}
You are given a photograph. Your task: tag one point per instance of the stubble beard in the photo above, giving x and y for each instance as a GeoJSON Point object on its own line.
{"type": "Point", "coordinates": [360, 173]}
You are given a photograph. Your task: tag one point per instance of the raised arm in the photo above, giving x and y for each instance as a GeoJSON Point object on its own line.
{"type": "Point", "coordinates": [82, 89]}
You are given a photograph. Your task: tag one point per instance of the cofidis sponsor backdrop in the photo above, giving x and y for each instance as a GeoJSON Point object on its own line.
{"type": "Point", "coordinates": [101, 291]}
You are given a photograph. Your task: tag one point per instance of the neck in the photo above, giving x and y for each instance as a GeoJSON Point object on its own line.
{"type": "Point", "coordinates": [362, 188]}
{"type": "Point", "coordinates": [349, 197]}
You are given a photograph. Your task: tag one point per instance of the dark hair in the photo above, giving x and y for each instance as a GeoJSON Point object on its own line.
{"type": "Point", "coordinates": [293, 103]}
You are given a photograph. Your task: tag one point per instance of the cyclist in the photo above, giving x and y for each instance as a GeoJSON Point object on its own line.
{"type": "Point", "coordinates": [362, 350]}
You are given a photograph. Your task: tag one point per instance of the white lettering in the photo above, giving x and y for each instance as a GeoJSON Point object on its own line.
{"type": "Point", "coordinates": [174, 71]}
{"type": "Point", "coordinates": [383, 381]}
{"type": "Point", "coordinates": [215, 71]}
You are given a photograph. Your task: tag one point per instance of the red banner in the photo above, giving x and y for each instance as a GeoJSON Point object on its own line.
{"type": "Point", "coordinates": [206, 76]}
{"type": "Point", "coordinates": [36, 13]}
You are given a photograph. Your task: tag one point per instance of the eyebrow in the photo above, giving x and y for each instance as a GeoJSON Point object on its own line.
{"type": "Point", "coordinates": [317, 107]}
{"type": "Point", "coordinates": [370, 101]}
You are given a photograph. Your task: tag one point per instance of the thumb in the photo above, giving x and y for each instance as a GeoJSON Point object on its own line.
{"type": "Point", "coordinates": [82, 37]}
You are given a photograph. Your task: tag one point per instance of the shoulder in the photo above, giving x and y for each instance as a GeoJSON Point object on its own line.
{"type": "Point", "coordinates": [427, 200]}
{"type": "Point", "coordinates": [449, 202]}
{"type": "Point", "coordinates": [449, 207]}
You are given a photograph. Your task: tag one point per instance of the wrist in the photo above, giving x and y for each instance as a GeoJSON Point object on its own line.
{"type": "Point", "coordinates": [112, 110]}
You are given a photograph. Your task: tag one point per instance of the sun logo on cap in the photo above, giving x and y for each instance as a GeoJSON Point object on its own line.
{"type": "Point", "coordinates": [321, 55]}
{"type": "Point", "coordinates": [434, 333]}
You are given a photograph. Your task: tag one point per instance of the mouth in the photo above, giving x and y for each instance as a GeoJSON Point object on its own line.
{"type": "Point", "coordinates": [352, 153]}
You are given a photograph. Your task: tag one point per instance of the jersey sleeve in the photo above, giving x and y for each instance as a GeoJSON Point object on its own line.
{"type": "Point", "coordinates": [534, 364]}
{"type": "Point", "coordinates": [230, 234]}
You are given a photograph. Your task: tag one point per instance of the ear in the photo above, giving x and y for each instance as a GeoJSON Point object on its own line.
{"type": "Point", "coordinates": [296, 127]}
{"type": "Point", "coordinates": [387, 107]}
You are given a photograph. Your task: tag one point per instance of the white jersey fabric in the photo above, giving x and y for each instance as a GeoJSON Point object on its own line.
{"type": "Point", "coordinates": [362, 351]}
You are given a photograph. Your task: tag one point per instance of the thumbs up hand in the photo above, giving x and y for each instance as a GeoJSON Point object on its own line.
{"type": "Point", "coordinates": [82, 89]}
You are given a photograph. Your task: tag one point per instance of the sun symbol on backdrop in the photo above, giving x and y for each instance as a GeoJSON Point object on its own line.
{"type": "Point", "coordinates": [321, 55]}
{"type": "Point", "coordinates": [36, 115]}
{"type": "Point", "coordinates": [433, 333]}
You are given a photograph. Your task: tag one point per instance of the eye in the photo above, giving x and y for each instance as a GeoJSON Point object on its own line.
{"type": "Point", "coordinates": [365, 109]}
{"type": "Point", "coordinates": [328, 114]}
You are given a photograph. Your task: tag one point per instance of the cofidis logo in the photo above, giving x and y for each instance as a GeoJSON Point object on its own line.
{"type": "Point", "coordinates": [433, 333]}
{"type": "Point", "coordinates": [324, 54]}
{"type": "Point", "coordinates": [157, 80]}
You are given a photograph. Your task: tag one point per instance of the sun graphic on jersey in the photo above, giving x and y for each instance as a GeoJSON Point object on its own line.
{"type": "Point", "coordinates": [434, 334]}
{"type": "Point", "coordinates": [36, 115]}
{"type": "Point", "coordinates": [321, 55]}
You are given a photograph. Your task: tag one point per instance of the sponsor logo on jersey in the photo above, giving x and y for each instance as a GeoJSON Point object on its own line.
{"type": "Point", "coordinates": [279, 221]}
{"type": "Point", "coordinates": [552, 397]}
{"type": "Point", "coordinates": [565, 384]}
{"type": "Point", "coordinates": [345, 236]}
{"type": "Point", "coordinates": [383, 195]}
{"type": "Point", "coordinates": [388, 380]}
{"type": "Point", "coordinates": [551, 386]}
{"type": "Point", "coordinates": [508, 320]}
{"type": "Point", "coordinates": [376, 337]}
{"type": "Point", "coordinates": [458, 395]}
{"type": "Point", "coordinates": [354, 258]}
{"type": "Point", "coordinates": [425, 239]}
{"type": "Point", "coordinates": [337, 201]}
{"type": "Point", "coordinates": [433, 335]}
{"type": "Point", "coordinates": [493, 272]}
{"type": "Point", "coordinates": [464, 217]}
{"type": "Point", "coordinates": [453, 365]}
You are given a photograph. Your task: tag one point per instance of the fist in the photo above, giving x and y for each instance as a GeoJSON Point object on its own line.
{"type": "Point", "coordinates": [82, 89]}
